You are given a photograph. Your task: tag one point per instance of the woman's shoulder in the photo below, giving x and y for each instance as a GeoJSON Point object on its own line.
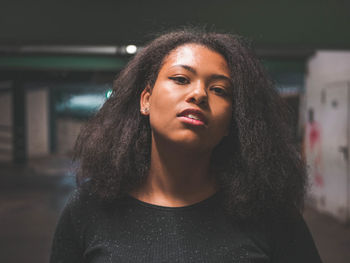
{"type": "Point", "coordinates": [83, 201]}
{"type": "Point", "coordinates": [79, 201]}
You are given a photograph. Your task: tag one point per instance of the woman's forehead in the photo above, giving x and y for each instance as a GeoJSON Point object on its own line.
{"type": "Point", "coordinates": [195, 55]}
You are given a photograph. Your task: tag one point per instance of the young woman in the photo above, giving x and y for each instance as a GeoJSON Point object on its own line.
{"type": "Point", "coordinates": [189, 160]}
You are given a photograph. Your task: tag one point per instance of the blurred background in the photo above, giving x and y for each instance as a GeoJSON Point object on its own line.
{"type": "Point", "coordinates": [58, 60]}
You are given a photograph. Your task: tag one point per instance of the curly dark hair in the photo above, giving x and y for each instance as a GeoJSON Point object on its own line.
{"type": "Point", "coordinates": [257, 165]}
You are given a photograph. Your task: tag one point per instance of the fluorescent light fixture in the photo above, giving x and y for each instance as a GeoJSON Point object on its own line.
{"type": "Point", "coordinates": [102, 50]}
{"type": "Point", "coordinates": [87, 101]}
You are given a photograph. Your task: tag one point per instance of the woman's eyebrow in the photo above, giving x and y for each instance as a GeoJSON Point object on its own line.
{"type": "Point", "coordinates": [212, 77]}
{"type": "Point", "coordinates": [189, 68]}
{"type": "Point", "coordinates": [220, 77]}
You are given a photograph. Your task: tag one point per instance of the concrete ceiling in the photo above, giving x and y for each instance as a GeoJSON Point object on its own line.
{"type": "Point", "coordinates": [275, 24]}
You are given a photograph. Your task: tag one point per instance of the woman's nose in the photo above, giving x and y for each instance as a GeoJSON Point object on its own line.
{"type": "Point", "coordinates": [197, 94]}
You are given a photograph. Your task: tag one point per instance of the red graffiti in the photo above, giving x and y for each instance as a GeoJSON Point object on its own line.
{"type": "Point", "coordinates": [313, 135]}
{"type": "Point", "coordinates": [318, 179]}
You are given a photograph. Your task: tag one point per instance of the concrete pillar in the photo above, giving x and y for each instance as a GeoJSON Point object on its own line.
{"type": "Point", "coordinates": [6, 123]}
{"type": "Point", "coordinates": [37, 115]}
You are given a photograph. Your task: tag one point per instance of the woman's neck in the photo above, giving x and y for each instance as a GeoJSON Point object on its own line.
{"type": "Point", "coordinates": [177, 176]}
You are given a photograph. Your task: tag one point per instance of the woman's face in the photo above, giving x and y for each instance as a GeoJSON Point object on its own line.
{"type": "Point", "coordinates": [191, 101]}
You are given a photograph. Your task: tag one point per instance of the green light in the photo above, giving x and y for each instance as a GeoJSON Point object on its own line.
{"type": "Point", "coordinates": [109, 93]}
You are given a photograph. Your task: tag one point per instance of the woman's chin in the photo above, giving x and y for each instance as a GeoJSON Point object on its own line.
{"type": "Point", "coordinates": [194, 143]}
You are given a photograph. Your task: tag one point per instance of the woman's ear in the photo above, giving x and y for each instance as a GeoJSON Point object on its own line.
{"type": "Point", "coordinates": [145, 101]}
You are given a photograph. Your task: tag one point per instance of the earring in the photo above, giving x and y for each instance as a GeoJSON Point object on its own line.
{"type": "Point", "coordinates": [145, 110]}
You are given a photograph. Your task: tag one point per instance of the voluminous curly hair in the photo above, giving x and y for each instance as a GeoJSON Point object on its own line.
{"type": "Point", "coordinates": [256, 165]}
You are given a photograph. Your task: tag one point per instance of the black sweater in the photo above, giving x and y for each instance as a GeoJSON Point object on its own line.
{"type": "Point", "coordinates": [129, 230]}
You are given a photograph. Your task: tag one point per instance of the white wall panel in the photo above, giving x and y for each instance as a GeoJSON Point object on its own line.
{"type": "Point", "coordinates": [327, 136]}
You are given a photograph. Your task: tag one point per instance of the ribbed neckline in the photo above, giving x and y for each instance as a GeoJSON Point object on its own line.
{"type": "Point", "coordinates": [170, 208]}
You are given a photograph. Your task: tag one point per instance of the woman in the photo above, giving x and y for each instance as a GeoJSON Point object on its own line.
{"type": "Point", "coordinates": [189, 160]}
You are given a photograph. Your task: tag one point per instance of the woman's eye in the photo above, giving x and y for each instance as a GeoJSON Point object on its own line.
{"type": "Point", "coordinates": [219, 91]}
{"type": "Point", "coordinates": [180, 80]}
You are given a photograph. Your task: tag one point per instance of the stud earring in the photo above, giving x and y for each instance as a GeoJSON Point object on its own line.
{"type": "Point", "coordinates": [145, 110]}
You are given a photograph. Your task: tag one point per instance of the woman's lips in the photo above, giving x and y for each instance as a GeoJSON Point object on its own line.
{"type": "Point", "coordinates": [193, 117]}
{"type": "Point", "coordinates": [191, 121]}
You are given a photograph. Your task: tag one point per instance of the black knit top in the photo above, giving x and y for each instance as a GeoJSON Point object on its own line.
{"type": "Point", "coordinates": [129, 230]}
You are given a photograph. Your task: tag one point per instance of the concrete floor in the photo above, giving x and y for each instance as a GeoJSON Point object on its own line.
{"type": "Point", "coordinates": [31, 201]}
